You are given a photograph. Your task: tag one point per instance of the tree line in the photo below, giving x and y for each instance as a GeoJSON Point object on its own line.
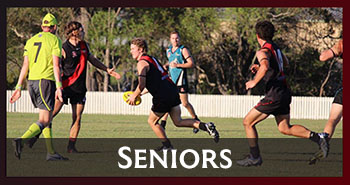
{"type": "Point", "coordinates": [222, 42]}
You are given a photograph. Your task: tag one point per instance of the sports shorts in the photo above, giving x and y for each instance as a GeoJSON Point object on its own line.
{"type": "Point", "coordinates": [161, 105]}
{"type": "Point", "coordinates": [183, 88]}
{"type": "Point", "coordinates": [42, 93]}
{"type": "Point", "coordinates": [338, 98]}
{"type": "Point", "coordinates": [74, 98]}
{"type": "Point", "coordinates": [275, 107]}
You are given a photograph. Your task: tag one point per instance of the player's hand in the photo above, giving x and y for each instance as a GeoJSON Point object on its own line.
{"type": "Point", "coordinates": [58, 94]}
{"type": "Point", "coordinates": [15, 96]}
{"type": "Point", "coordinates": [132, 99]}
{"type": "Point", "coordinates": [250, 84]}
{"type": "Point", "coordinates": [166, 67]}
{"type": "Point", "coordinates": [254, 68]}
{"type": "Point", "coordinates": [113, 73]}
{"type": "Point", "coordinates": [173, 64]}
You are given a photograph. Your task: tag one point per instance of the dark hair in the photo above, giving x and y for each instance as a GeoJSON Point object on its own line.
{"type": "Point", "coordinates": [265, 30]}
{"type": "Point", "coordinates": [141, 43]}
{"type": "Point", "coordinates": [72, 29]}
{"type": "Point", "coordinates": [175, 32]}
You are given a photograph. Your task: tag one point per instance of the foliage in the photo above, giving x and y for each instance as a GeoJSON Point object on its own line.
{"type": "Point", "coordinates": [222, 42]}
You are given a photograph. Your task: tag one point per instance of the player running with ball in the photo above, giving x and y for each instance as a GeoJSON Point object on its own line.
{"type": "Point", "coordinates": [153, 77]}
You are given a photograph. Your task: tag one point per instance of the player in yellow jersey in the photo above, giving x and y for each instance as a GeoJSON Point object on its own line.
{"type": "Point", "coordinates": [41, 58]}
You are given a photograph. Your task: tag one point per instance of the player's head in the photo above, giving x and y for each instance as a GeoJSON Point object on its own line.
{"type": "Point", "coordinates": [175, 38]}
{"type": "Point", "coordinates": [138, 46]}
{"type": "Point", "coordinates": [49, 23]}
{"type": "Point", "coordinates": [74, 29]}
{"type": "Point", "coordinates": [265, 30]}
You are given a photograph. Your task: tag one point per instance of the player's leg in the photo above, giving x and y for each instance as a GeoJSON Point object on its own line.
{"type": "Point", "coordinates": [188, 106]}
{"type": "Point", "coordinates": [334, 118]}
{"type": "Point", "coordinates": [163, 120]}
{"type": "Point", "coordinates": [58, 107]}
{"type": "Point", "coordinates": [250, 120]}
{"type": "Point", "coordinates": [175, 114]}
{"type": "Point", "coordinates": [159, 130]}
{"type": "Point", "coordinates": [283, 123]}
{"type": "Point", "coordinates": [77, 111]}
{"type": "Point", "coordinates": [42, 99]}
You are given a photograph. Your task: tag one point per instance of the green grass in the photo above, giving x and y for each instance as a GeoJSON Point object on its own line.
{"type": "Point", "coordinates": [127, 126]}
{"type": "Point", "coordinates": [98, 157]}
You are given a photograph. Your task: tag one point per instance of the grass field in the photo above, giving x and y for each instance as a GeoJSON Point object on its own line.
{"type": "Point", "coordinates": [127, 126]}
{"type": "Point", "coordinates": [282, 155]}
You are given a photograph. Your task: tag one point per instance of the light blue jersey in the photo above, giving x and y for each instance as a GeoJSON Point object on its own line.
{"type": "Point", "coordinates": [178, 75]}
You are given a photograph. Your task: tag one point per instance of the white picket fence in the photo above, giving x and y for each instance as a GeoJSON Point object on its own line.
{"type": "Point", "coordinates": [235, 106]}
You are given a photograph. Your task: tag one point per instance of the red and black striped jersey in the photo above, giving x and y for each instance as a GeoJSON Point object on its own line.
{"type": "Point", "coordinates": [74, 66]}
{"type": "Point", "coordinates": [158, 82]}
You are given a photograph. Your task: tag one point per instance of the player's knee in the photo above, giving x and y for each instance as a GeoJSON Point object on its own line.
{"type": "Point", "coordinates": [44, 121]}
{"type": "Point", "coordinates": [247, 123]}
{"type": "Point", "coordinates": [186, 104]}
{"type": "Point", "coordinates": [177, 123]}
{"type": "Point", "coordinates": [78, 118]}
{"type": "Point", "coordinates": [151, 122]}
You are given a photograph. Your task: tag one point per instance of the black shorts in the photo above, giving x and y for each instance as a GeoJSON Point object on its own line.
{"type": "Point", "coordinates": [74, 98]}
{"type": "Point", "coordinates": [161, 105]}
{"type": "Point", "coordinates": [338, 98]}
{"type": "Point", "coordinates": [42, 93]}
{"type": "Point", "coordinates": [275, 107]}
{"type": "Point", "coordinates": [183, 88]}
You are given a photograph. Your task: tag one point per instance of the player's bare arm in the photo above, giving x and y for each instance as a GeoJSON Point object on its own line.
{"type": "Point", "coordinates": [188, 58]}
{"type": "Point", "coordinates": [335, 51]}
{"type": "Point", "coordinates": [263, 58]}
{"type": "Point", "coordinates": [142, 68]}
{"type": "Point", "coordinates": [166, 66]}
{"type": "Point", "coordinates": [57, 73]}
{"type": "Point", "coordinates": [24, 71]}
{"type": "Point", "coordinates": [97, 63]}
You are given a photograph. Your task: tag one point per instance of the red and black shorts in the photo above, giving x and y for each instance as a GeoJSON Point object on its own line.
{"type": "Point", "coordinates": [338, 98]}
{"type": "Point", "coordinates": [274, 107]}
{"type": "Point", "coordinates": [42, 93]}
{"type": "Point", "coordinates": [161, 105]}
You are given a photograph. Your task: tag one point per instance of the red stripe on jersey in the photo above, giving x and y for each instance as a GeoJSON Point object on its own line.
{"type": "Point", "coordinates": [80, 67]}
{"type": "Point", "coordinates": [270, 47]}
{"type": "Point", "coordinates": [157, 65]}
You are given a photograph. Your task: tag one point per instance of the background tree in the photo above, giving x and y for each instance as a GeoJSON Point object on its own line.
{"type": "Point", "coordinates": [222, 42]}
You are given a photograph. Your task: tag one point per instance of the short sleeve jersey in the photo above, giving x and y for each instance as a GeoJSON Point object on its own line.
{"type": "Point", "coordinates": [178, 75]}
{"type": "Point", "coordinates": [39, 50]}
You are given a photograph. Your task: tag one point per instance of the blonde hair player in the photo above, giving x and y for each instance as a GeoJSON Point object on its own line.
{"type": "Point", "coordinates": [153, 77]}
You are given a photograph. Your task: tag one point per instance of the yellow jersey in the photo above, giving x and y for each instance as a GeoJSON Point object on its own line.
{"type": "Point", "coordinates": [39, 50]}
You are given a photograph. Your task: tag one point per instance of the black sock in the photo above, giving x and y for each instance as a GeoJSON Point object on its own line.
{"type": "Point", "coordinates": [255, 151]}
{"type": "Point", "coordinates": [202, 126]}
{"type": "Point", "coordinates": [167, 143]}
{"type": "Point", "coordinates": [71, 143]}
{"type": "Point", "coordinates": [38, 135]}
{"type": "Point", "coordinates": [196, 118]}
{"type": "Point", "coordinates": [314, 137]}
{"type": "Point", "coordinates": [163, 123]}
